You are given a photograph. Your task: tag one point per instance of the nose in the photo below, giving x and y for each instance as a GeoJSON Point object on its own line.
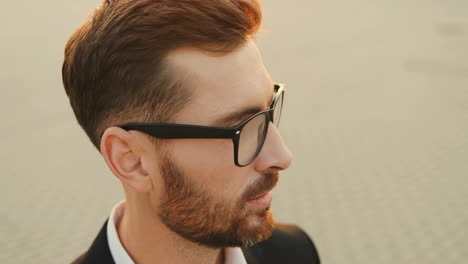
{"type": "Point", "coordinates": [275, 155]}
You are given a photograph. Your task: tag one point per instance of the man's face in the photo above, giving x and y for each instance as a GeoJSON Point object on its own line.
{"type": "Point", "coordinates": [206, 198]}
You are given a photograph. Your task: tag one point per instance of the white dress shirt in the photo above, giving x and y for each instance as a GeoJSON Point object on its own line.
{"type": "Point", "coordinates": [120, 255]}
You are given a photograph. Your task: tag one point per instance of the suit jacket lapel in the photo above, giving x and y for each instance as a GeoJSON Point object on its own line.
{"type": "Point", "coordinates": [252, 255]}
{"type": "Point", "coordinates": [99, 251]}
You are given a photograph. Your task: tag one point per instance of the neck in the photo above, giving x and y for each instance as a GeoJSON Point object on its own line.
{"type": "Point", "coordinates": [147, 239]}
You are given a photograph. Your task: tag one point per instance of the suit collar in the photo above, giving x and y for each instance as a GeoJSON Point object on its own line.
{"type": "Point", "coordinates": [99, 250]}
{"type": "Point", "coordinates": [251, 255]}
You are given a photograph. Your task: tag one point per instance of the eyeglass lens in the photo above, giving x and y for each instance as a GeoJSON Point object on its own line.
{"type": "Point", "coordinates": [251, 137]}
{"type": "Point", "coordinates": [254, 132]}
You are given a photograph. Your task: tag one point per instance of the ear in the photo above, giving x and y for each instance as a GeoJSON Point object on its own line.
{"type": "Point", "coordinates": [123, 155]}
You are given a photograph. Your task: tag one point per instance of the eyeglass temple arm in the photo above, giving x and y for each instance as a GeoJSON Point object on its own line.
{"type": "Point", "coordinates": [168, 131]}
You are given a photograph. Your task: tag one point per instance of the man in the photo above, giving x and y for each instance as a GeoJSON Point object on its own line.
{"type": "Point", "coordinates": [175, 96]}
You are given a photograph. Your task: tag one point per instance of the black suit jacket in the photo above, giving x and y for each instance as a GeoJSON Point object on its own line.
{"type": "Point", "coordinates": [287, 245]}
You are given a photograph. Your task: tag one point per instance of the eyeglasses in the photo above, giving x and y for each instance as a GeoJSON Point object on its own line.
{"type": "Point", "coordinates": [248, 136]}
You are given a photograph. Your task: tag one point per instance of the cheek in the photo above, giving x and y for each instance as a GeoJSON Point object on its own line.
{"type": "Point", "coordinates": [211, 162]}
{"type": "Point", "coordinates": [204, 152]}
{"type": "Point", "coordinates": [152, 163]}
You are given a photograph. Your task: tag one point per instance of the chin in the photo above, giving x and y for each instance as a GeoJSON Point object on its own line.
{"type": "Point", "coordinates": [259, 217]}
{"type": "Point", "coordinates": [257, 227]}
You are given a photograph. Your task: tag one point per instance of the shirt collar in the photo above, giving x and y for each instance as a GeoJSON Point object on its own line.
{"type": "Point", "coordinates": [118, 252]}
{"type": "Point", "coordinates": [120, 255]}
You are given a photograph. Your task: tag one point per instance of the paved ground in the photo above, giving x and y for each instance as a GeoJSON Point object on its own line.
{"type": "Point", "coordinates": [376, 114]}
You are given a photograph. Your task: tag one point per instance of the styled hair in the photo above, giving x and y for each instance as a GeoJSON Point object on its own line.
{"type": "Point", "coordinates": [115, 69]}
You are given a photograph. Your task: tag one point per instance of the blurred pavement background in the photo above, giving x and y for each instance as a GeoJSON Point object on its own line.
{"type": "Point", "coordinates": [376, 115]}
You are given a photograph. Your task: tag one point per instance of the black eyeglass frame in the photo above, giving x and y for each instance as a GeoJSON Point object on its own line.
{"type": "Point", "coordinates": [175, 131]}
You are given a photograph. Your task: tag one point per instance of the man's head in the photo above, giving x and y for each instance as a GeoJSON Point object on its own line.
{"type": "Point", "coordinates": [184, 62]}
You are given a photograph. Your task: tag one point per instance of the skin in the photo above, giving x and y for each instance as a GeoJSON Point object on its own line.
{"type": "Point", "coordinates": [221, 84]}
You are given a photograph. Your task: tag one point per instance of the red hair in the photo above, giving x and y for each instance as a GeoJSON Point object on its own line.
{"type": "Point", "coordinates": [114, 69]}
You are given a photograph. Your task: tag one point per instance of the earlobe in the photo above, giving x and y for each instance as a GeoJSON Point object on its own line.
{"type": "Point", "coordinates": [120, 151]}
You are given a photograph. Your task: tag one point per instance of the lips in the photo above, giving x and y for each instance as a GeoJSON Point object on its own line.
{"type": "Point", "coordinates": [261, 195]}
{"type": "Point", "coordinates": [263, 201]}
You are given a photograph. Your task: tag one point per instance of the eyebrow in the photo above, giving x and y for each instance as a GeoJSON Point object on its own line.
{"type": "Point", "coordinates": [239, 114]}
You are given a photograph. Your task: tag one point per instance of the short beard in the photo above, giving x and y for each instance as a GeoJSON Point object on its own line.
{"type": "Point", "coordinates": [190, 211]}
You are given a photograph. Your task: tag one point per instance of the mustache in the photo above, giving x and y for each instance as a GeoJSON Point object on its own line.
{"type": "Point", "coordinates": [267, 182]}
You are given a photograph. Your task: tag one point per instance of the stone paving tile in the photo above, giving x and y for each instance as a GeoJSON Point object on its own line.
{"type": "Point", "coordinates": [376, 114]}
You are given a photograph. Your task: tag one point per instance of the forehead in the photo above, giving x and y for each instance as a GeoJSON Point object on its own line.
{"type": "Point", "coordinates": [221, 83]}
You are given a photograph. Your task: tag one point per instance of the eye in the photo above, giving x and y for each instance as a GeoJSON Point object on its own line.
{"type": "Point", "coordinates": [239, 120]}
